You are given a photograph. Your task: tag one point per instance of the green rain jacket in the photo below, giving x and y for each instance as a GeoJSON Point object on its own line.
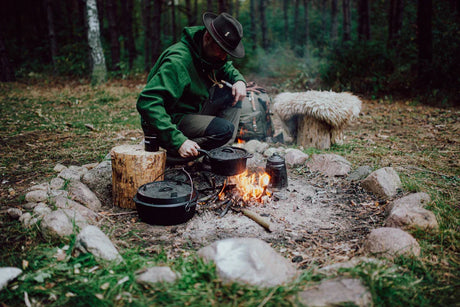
{"type": "Point", "coordinates": [179, 84]}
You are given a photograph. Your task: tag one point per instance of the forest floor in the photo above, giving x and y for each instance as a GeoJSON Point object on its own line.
{"type": "Point", "coordinates": [49, 122]}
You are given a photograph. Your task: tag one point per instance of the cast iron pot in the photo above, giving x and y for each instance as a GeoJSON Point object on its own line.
{"type": "Point", "coordinates": [166, 202]}
{"type": "Point", "coordinates": [227, 160]}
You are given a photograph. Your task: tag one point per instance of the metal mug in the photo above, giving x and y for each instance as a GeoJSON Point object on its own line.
{"type": "Point", "coordinates": [151, 143]}
{"type": "Point", "coordinates": [276, 169]}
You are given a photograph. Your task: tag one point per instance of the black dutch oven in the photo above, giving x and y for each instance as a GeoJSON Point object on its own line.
{"type": "Point", "coordinates": [166, 202]}
{"type": "Point", "coordinates": [227, 160]}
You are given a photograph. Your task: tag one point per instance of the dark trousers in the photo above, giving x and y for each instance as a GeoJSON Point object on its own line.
{"type": "Point", "coordinates": [216, 124]}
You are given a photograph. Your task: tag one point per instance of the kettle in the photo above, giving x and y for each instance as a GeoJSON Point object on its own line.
{"type": "Point", "coordinates": [276, 169]}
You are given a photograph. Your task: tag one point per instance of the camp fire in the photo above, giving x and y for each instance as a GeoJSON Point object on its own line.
{"type": "Point", "coordinates": [250, 187]}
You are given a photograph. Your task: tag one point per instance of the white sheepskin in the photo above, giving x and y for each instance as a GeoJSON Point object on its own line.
{"type": "Point", "coordinates": [336, 109]}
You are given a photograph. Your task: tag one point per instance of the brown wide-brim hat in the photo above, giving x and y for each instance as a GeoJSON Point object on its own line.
{"type": "Point", "coordinates": [226, 31]}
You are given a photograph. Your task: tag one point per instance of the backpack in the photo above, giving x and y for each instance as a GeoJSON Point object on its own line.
{"type": "Point", "coordinates": [255, 122]}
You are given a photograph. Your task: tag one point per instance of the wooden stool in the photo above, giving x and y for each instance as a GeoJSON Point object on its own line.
{"type": "Point", "coordinates": [318, 117]}
{"type": "Point", "coordinates": [132, 167]}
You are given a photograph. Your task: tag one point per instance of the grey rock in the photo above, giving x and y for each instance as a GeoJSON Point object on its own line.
{"type": "Point", "coordinates": [156, 274]}
{"type": "Point", "coordinates": [59, 168]}
{"type": "Point", "coordinates": [295, 157]}
{"type": "Point", "coordinates": [333, 268]}
{"type": "Point", "coordinates": [40, 187]}
{"type": "Point", "coordinates": [57, 193]}
{"type": "Point", "coordinates": [68, 174]}
{"type": "Point", "coordinates": [391, 242]}
{"type": "Point", "coordinates": [79, 169]}
{"type": "Point", "coordinates": [99, 180]}
{"type": "Point", "coordinates": [408, 217]}
{"type": "Point", "coordinates": [8, 274]}
{"type": "Point", "coordinates": [57, 183]}
{"type": "Point", "coordinates": [90, 166]}
{"type": "Point", "coordinates": [420, 200]}
{"type": "Point", "coordinates": [80, 192]}
{"type": "Point", "coordinates": [37, 196]}
{"type": "Point", "coordinates": [61, 223]}
{"type": "Point", "coordinates": [41, 210]}
{"type": "Point", "coordinates": [383, 182]}
{"type": "Point", "coordinates": [33, 221]}
{"type": "Point", "coordinates": [360, 173]}
{"type": "Point", "coordinates": [25, 219]}
{"type": "Point", "coordinates": [270, 151]}
{"type": "Point", "coordinates": [248, 260]}
{"type": "Point", "coordinates": [14, 213]}
{"type": "Point", "coordinates": [337, 292]}
{"type": "Point", "coordinates": [65, 203]}
{"type": "Point", "coordinates": [254, 146]}
{"type": "Point", "coordinates": [92, 240]}
{"type": "Point", "coordinates": [30, 206]}
{"type": "Point", "coordinates": [329, 164]}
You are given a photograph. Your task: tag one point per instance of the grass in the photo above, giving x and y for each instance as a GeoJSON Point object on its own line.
{"type": "Point", "coordinates": [45, 124]}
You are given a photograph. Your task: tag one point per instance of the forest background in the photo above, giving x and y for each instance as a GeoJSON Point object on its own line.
{"type": "Point", "coordinates": [398, 56]}
{"type": "Point", "coordinates": [391, 48]}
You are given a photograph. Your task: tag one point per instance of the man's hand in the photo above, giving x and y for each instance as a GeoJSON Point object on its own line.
{"type": "Point", "coordinates": [238, 91]}
{"type": "Point", "coordinates": [188, 149]}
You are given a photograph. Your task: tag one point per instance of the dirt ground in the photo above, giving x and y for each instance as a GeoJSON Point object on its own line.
{"type": "Point", "coordinates": [315, 220]}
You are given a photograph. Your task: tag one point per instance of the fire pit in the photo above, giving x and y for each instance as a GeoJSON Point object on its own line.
{"type": "Point", "coordinates": [314, 219]}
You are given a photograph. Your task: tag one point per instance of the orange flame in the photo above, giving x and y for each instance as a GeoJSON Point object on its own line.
{"type": "Point", "coordinates": [251, 186]}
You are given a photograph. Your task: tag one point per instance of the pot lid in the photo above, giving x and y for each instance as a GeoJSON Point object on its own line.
{"type": "Point", "coordinates": [228, 153]}
{"type": "Point", "coordinates": [275, 159]}
{"type": "Point", "coordinates": [165, 192]}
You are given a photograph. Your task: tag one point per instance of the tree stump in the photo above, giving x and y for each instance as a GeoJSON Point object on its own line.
{"type": "Point", "coordinates": [132, 167]}
{"type": "Point", "coordinates": [312, 132]}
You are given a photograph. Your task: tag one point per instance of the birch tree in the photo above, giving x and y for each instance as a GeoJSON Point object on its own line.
{"type": "Point", "coordinates": [98, 67]}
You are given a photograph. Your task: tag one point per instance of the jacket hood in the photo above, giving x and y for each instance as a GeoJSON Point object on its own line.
{"type": "Point", "coordinates": [193, 38]}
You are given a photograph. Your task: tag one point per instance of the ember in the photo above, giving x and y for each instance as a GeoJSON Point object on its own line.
{"type": "Point", "coordinates": [251, 187]}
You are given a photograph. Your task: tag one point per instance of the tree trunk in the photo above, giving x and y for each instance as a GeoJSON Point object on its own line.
{"type": "Point", "coordinates": [6, 70]}
{"type": "Point", "coordinates": [127, 9]}
{"type": "Point", "coordinates": [312, 132]}
{"type": "Point", "coordinates": [195, 12]}
{"type": "Point", "coordinates": [230, 7]}
{"type": "Point", "coordinates": [395, 19]}
{"type": "Point", "coordinates": [237, 9]}
{"type": "Point", "coordinates": [263, 23]}
{"type": "Point", "coordinates": [132, 167]}
{"type": "Point", "coordinates": [147, 21]}
{"type": "Point", "coordinates": [51, 33]}
{"type": "Point", "coordinates": [252, 14]}
{"type": "Point", "coordinates": [98, 68]}
{"type": "Point", "coordinates": [222, 6]}
{"type": "Point", "coordinates": [101, 13]}
{"type": "Point", "coordinates": [334, 23]}
{"type": "Point", "coordinates": [364, 30]}
{"type": "Point", "coordinates": [324, 20]}
{"type": "Point", "coordinates": [346, 20]}
{"type": "Point", "coordinates": [307, 25]}
{"type": "Point", "coordinates": [286, 19]}
{"type": "Point", "coordinates": [173, 21]}
{"type": "Point", "coordinates": [295, 36]}
{"type": "Point", "coordinates": [188, 12]}
{"type": "Point", "coordinates": [113, 34]}
{"type": "Point", "coordinates": [210, 6]}
{"type": "Point", "coordinates": [424, 41]}
{"type": "Point", "coordinates": [156, 32]}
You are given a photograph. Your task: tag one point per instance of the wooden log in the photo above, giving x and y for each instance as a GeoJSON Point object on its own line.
{"type": "Point", "coordinates": [132, 167]}
{"type": "Point", "coordinates": [312, 132]}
